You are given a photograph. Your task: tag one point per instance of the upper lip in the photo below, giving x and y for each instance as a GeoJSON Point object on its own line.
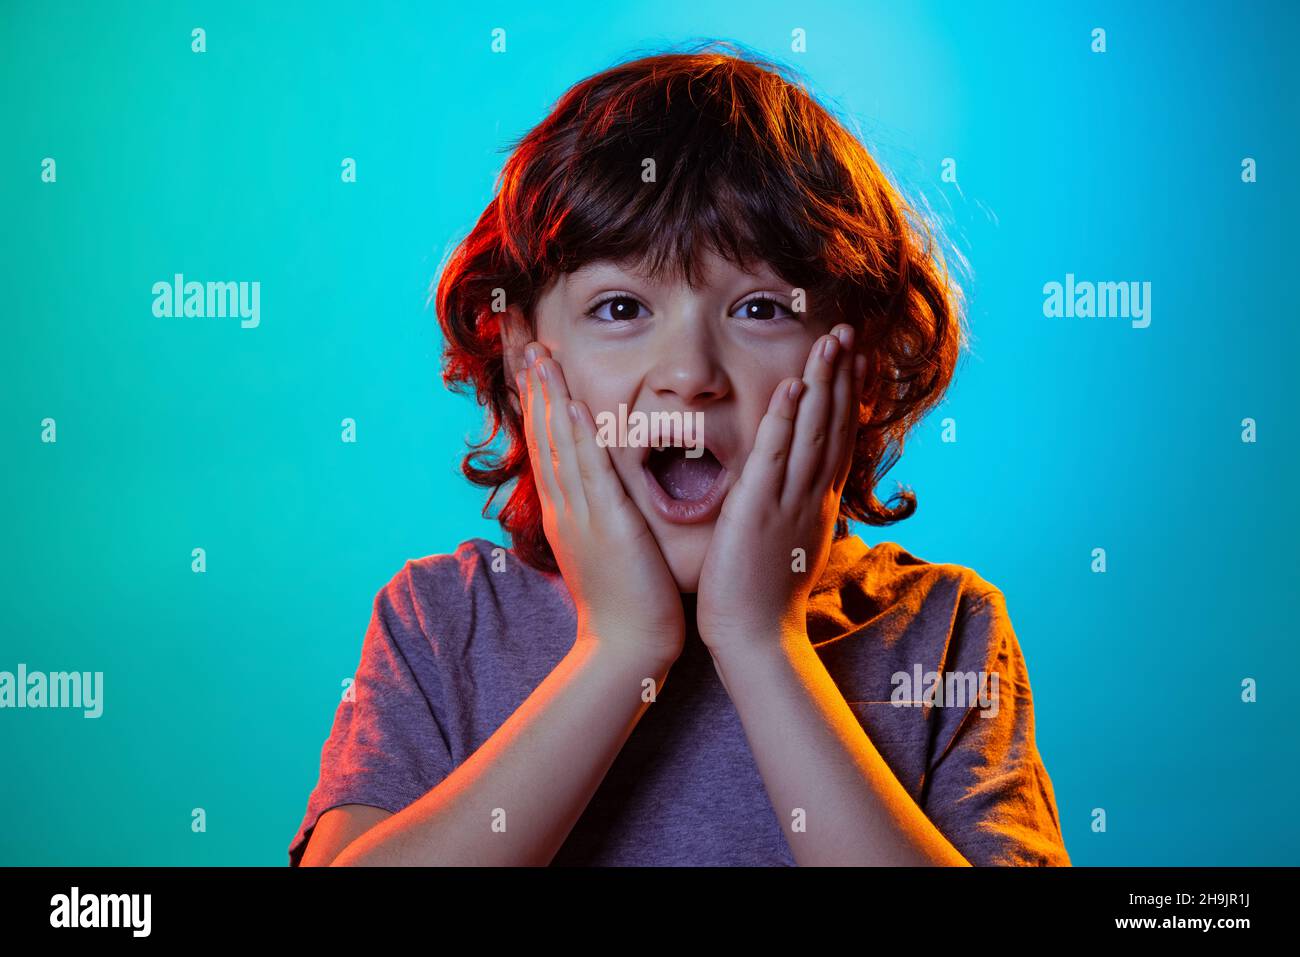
{"type": "Point", "coordinates": [720, 449]}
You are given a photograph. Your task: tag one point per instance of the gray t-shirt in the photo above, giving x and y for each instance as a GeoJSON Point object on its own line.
{"type": "Point", "coordinates": [454, 647]}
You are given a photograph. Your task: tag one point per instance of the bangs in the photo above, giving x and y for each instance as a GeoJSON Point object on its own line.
{"type": "Point", "coordinates": [654, 173]}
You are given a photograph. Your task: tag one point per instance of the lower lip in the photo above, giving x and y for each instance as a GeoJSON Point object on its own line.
{"type": "Point", "coordinates": [681, 511]}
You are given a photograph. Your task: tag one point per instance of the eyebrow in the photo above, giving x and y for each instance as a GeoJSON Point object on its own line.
{"type": "Point", "coordinates": [596, 267]}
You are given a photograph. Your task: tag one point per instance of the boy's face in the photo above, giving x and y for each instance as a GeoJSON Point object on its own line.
{"type": "Point", "coordinates": [718, 350]}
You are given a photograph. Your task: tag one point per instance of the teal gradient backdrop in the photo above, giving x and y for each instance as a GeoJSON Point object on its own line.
{"type": "Point", "coordinates": [1073, 434]}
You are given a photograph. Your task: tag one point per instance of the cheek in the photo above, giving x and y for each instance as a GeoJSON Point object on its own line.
{"type": "Point", "coordinates": [603, 398]}
{"type": "Point", "coordinates": [592, 390]}
{"type": "Point", "coordinates": [763, 372]}
{"type": "Point", "coordinates": [595, 380]}
{"type": "Point", "coordinates": [758, 396]}
{"type": "Point", "coordinates": [754, 394]}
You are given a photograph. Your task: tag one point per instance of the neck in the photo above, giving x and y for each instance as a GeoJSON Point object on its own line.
{"type": "Point", "coordinates": [688, 612]}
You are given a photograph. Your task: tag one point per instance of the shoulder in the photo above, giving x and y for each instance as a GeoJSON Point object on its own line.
{"type": "Point", "coordinates": [907, 610]}
{"type": "Point", "coordinates": [463, 564]}
{"type": "Point", "coordinates": [974, 608]}
{"type": "Point", "coordinates": [962, 621]}
{"type": "Point", "coordinates": [907, 563]}
{"type": "Point", "coordinates": [476, 585]}
{"type": "Point", "coordinates": [891, 575]}
{"type": "Point", "coordinates": [476, 565]}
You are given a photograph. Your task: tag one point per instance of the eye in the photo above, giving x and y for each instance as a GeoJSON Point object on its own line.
{"type": "Point", "coordinates": [622, 308]}
{"type": "Point", "coordinates": [763, 309]}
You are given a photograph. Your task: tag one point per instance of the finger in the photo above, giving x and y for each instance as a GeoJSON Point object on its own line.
{"type": "Point", "coordinates": [840, 422]}
{"type": "Point", "coordinates": [539, 446]}
{"type": "Point", "coordinates": [601, 483]}
{"type": "Point", "coordinates": [764, 472]}
{"type": "Point", "coordinates": [559, 428]}
{"type": "Point", "coordinates": [853, 421]}
{"type": "Point", "coordinates": [812, 427]}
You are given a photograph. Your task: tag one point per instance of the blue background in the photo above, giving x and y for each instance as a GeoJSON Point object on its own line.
{"type": "Point", "coordinates": [1073, 434]}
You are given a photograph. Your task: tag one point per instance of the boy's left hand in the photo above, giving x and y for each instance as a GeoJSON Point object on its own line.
{"type": "Point", "coordinates": [755, 583]}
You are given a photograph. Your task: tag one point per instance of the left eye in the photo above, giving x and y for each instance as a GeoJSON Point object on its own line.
{"type": "Point", "coordinates": [762, 308]}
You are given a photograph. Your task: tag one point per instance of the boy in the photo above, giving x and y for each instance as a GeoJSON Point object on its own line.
{"type": "Point", "coordinates": [685, 657]}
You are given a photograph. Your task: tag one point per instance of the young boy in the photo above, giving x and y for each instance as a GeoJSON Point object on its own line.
{"type": "Point", "coordinates": [685, 657]}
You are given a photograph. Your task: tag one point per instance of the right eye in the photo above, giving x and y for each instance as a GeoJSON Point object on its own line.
{"type": "Point", "coordinates": [622, 308]}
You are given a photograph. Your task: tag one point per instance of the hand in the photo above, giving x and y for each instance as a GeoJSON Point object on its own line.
{"type": "Point", "coordinates": [752, 590]}
{"type": "Point", "coordinates": [624, 593]}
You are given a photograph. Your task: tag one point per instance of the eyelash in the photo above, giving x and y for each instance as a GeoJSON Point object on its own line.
{"type": "Point", "coordinates": [760, 297]}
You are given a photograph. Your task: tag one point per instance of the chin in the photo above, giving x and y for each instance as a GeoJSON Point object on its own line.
{"type": "Point", "coordinates": [683, 550]}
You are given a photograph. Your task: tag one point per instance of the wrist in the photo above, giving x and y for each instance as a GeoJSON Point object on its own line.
{"type": "Point", "coordinates": [776, 634]}
{"type": "Point", "coordinates": [774, 647]}
{"type": "Point", "coordinates": [623, 650]}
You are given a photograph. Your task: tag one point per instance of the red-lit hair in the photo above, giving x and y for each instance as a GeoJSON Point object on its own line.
{"type": "Point", "coordinates": [749, 164]}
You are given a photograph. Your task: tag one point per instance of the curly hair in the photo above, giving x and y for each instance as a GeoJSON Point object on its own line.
{"type": "Point", "coordinates": [747, 163]}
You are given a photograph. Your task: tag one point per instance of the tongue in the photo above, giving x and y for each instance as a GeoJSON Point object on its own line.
{"type": "Point", "coordinates": [682, 478]}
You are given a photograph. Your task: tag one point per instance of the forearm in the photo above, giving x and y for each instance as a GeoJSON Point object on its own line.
{"type": "Point", "coordinates": [814, 756]}
{"type": "Point", "coordinates": [515, 800]}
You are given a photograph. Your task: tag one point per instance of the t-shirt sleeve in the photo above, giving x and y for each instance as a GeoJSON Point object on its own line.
{"type": "Point", "coordinates": [988, 791]}
{"type": "Point", "coordinates": [387, 747]}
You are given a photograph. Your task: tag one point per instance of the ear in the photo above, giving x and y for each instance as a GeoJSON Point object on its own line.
{"type": "Point", "coordinates": [516, 333]}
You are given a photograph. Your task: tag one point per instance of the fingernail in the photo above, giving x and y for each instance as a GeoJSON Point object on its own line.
{"type": "Point", "coordinates": [573, 413]}
{"type": "Point", "coordinates": [530, 353]}
{"type": "Point", "coordinates": [845, 335]}
{"type": "Point", "coordinates": [829, 349]}
{"type": "Point", "coordinates": [794, 388]}
{"type": "Point", "coordinates": [541, 371]}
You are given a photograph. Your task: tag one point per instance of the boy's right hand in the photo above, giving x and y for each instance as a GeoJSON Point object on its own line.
{"type": "Point", "coordinates": [624, 592]}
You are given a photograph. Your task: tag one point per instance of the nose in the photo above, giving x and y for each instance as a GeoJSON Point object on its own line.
{"type": "Point", "coordinates": [686, 362]}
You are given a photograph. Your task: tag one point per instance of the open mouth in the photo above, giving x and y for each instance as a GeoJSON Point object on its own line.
{"type": "Point", "coordinates": [684, 479]}
{"type": "Point", "coordinates": [685, 489]}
